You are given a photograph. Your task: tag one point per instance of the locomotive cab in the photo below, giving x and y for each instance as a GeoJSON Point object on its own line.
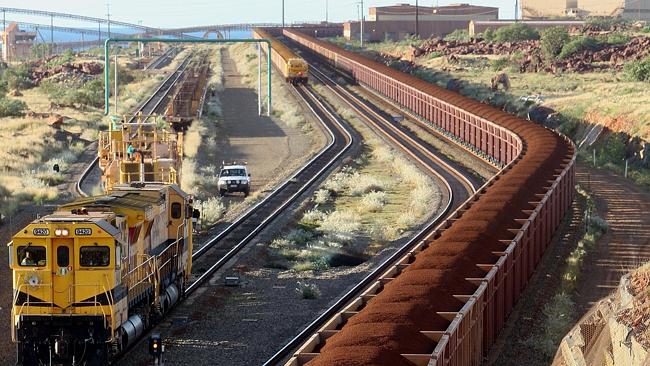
{"type": "Point", "coordinates": [297, 70]}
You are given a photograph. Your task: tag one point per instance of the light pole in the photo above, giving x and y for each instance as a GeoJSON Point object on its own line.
{"type": "Point", "coordinates": [282, 13]}
{"type": "Point", "coordinates": [327, 5]}
{"type": "Point", "coordinates": [108, 19]}
{"type": "Point", "coordinates": [362, 17]}
{"type": "Point", "coordinates": [417, 18]}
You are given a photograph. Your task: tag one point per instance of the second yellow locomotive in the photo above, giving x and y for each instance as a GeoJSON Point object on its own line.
{"type": "Point", "coordinates": [294, 69]}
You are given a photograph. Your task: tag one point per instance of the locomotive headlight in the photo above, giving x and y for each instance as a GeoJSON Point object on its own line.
{"type": "Point", "coordinates": [65, 232]}
{"type": "Point", "coordinates": [58, 232]}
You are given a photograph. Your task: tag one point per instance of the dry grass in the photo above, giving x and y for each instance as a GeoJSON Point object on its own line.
{"type": "Point", "coordinates": [359, 209]}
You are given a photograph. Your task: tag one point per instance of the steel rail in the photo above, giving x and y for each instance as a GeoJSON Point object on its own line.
{"type": "Point", "coordinates": [422, 235]}
{"type": "Point", "coordinates": [177, 73]}
{"type": "Point", "coordinates": [315, 105]}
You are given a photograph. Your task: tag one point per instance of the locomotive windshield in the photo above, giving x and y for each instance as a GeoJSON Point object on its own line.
{"type": "Point", "coordinates": [94, 256]}
{"type": "Point", "coordinates": [30, 256]}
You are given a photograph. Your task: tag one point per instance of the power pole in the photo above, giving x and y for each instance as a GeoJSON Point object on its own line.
{"type": "Point", "coordinates": [362, 16]}
{"type": "Point", "coordinates": [51, 34]}
{"type": "Point", "coordinates": [516, 10]}
{"type": "Point", "coordinates": [282, 13]}
{"type": "Point", "coordinates": [99, 28]}
{"type": "Point", "coordinates": [327, 5]}
{"type": "Point", "coordinates": [108, 19]}
{"type": "Point", "coordinates": [417, 19]}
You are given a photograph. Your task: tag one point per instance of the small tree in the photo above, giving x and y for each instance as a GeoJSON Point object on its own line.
{"type": "Point", "coordinates": [488, 35]}
{"type": "Point", "coordinates": [461, 35]}
{"type": "Point", "coordinates": [516, 32]}
{"type": "Point", "coordinates": [18, 78]}
{"type": "Point", "coordinates": [638, 70]}
{"type": "Point", "coordinates": [553, 40]}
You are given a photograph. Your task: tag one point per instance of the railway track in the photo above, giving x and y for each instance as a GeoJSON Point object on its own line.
{"type": "Point", "coordinates": [163, 60]}
{"type": "Point", "coordinates": [222, 247]}
{"type": "Point", "coordinates": [151, 105]}
{"type": "Point", "coordinates": [217, 251]}
{"type": "Point", "coordinates": [458, 188]}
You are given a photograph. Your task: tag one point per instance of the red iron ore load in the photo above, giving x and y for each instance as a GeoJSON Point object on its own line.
{"type": "Point", "coordinates": [418, 317]}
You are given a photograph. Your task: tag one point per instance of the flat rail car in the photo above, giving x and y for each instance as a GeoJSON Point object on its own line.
{"type": "Point", "coordinates": [293, 68]}
{"type": "Point", "coordinates": [445, 302]}
{"type": "Point", "coordinates": [89, 278]}
{"type": "Point", "coordinates": [137, 150]}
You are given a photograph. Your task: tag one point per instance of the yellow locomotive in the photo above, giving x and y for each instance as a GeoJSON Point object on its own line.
{"type": "Point", "coordinates": [89, 278]}
{"type": "Point", "coordinates": [294, 68]}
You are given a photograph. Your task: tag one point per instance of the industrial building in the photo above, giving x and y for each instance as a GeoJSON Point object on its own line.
{"type": "Point", "coordinates": [627, 9]}
{"type": "Point", "coordinates": [16, 44]}
{"type": "Point", "coordinates": [398, 21]}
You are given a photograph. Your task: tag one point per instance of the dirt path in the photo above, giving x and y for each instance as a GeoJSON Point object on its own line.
{"type": "Point", "coordinates": [269, 146]}
{"type": "Point", "coordinates": [626, 245]}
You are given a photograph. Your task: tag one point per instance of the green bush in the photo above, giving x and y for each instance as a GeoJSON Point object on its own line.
{"type": "Point", "coordinates": [638, 70]}
{"type": "Point", "coordinates": [489, 35]}
{"type": "Point", "coordinates": [579, 44]}
{"type": "Point", "coordinates": [18, 78]}
{"type": "Point", "coordinates": [12, 107]}
{"type": "Point", "coordinates": [461, 35]}
{"type": "Point", "coordinates": [499, 64]}
{"type": "Point", "coordinates": [65, 57]}
{"type": "Point", "coordinates": [603, 24]}
{"type": "Point", "coordinates": [553, 40]}
{"type": "Point", "coordinates": [613, 148]}
{"type": "Point", "coordinates": [90, 93]}
{"type": "Point", "coordinates": [617, 38]}
{"type": "Point", "coordinates": [516, 32]}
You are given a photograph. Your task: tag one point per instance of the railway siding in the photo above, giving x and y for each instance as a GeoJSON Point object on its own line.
{"type": "Point", "coordinates": [445, 303]}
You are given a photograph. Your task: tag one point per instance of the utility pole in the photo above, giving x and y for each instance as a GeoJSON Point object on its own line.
{"type": "Point", "coordinates": [417, 19]}
{"type": "Point", "coordinates": [108, 18]}
{"type": "Point", "coordinates": [51, 34]}
{"type": "Point", "coordinates": [116, 51]}
{"type": "Point", "coordinates": [362, 16]}
{"type": "Point", "coordinates": [516, 10]}
{"type": "Point", "coordinates": [327, 5]}
{"type": "Point", "coordinates": [282, 13]}
{"type": "Point", "coordinates": [99, 37]}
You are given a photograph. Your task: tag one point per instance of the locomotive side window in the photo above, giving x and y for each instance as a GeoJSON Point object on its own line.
{"type": "Point", "coordinates": [94, 256]}
{"type": "Point", "coordinates": [62, 256]}
{"type": "Point", "coordinates": [176, 210]}
{"type": "Point", "coordinates": [30, 256]}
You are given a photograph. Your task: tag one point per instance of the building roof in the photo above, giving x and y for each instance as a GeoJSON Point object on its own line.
{"type": "Point", "coordinates": [453, 9]}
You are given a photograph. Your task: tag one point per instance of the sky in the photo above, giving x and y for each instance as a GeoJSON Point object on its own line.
{"type": "Point", "coordinates": [178, 13]}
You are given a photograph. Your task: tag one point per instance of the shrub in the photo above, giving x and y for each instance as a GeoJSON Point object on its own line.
{"type": "Point", "coordinates": [499, 64]}
{"type": "Point", "coordinates": [322, 196]}
{"type": "Point", "coordinates": [516, 32]}
{"type": "Point", "coordinates": [553, 40]}
{"type": "Point", "coordinates": [489, 35]}
{"type": "Point", "coordinates": [579, 44]}
{"type": "Point", "coordinates": [307, 291]}
{"type": "Point", "coordinates": [617, 38]}
{"type": "Point", "coordinates": [212, 210]}
{"type": "Point", "coordinates": [12, 107]}
{"type": "Point", "coordinates": [638, 70]}
{"type": "Point", "coordinates": [374, 201]}
{"type": "Point", "coordinates": [603, 24]}
{"type": "Point", "coordinates": [18, 78]}
{"type": "Point", "coordinates": [461, 35]}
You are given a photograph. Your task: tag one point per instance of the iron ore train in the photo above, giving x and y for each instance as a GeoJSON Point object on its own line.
{"type": "Point", "coordinates": [294, 69]}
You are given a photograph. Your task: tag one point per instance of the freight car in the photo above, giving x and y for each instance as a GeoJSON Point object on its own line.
{"type": "Point", "coordinates": [444, 303]}
{"type": "Point", "coordinates": [89, 278]}
{"type": "Point", "coordinates": [293, 68]}
{"type": "Point", "coordinates": [136, 150]}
